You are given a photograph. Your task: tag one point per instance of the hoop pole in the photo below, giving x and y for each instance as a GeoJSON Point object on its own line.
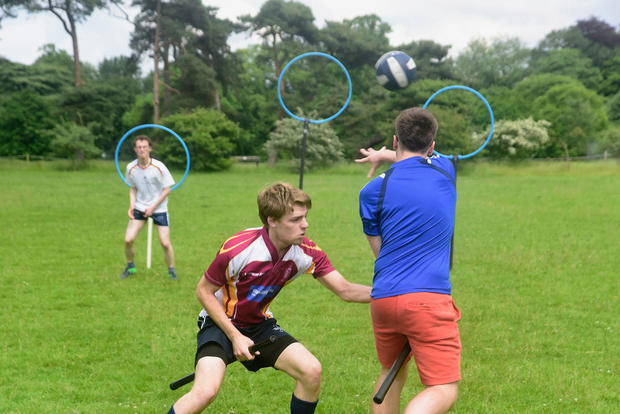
{"type": "Point", "coordinates": [149, 242]}
{"type": "Point", "coordinates": [303, 154]}
{"type": "Point", "coordinates": [455, 163]}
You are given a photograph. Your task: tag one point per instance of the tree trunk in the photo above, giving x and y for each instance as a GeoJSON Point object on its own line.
{"type": "Point", "coordinates": [166, 79]}
{"type": "Point", "coordinates": [278, 72]}
{"type": "Point", "coordinates": [77, 72]}
{"type": "Point", "coordinates": [216, 96]}
{"type": "Point", "coordinates": [156, 64]}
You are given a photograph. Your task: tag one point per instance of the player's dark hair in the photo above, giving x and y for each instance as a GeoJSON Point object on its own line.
{"type": "Point", "coordinates": [416, 129]}
{"type": "Point", "coordinates": [278, 199]}
{"type": "Point", "coordinates": [142, 138]}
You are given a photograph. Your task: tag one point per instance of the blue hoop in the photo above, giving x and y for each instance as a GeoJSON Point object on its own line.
{"type": "Point", "coordinates": [475, 92]}
{"type": "Point", "coordinates": [152, 126]}
{"type": "Point", "coordinates": [315, 121]}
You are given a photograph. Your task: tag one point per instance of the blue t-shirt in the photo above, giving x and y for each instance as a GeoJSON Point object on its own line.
{"type": "Point", "coordinates": [414, 215]}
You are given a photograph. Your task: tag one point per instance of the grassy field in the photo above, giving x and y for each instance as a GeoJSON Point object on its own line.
{"type": "Point", "coordinates": [536, 277]}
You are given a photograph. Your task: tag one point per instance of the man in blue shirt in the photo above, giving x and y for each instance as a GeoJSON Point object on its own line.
{"type": "Point", "coordinates": [408, 217]}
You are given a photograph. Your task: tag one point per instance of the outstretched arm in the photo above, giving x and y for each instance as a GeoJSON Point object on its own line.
{"type": "Point", "coordinates": [376, 158]}
{"type": "Point", "coordinates": [345, 290]}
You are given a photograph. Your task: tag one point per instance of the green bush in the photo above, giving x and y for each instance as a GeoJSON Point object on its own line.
{"type": "Point", "coordinates": [209, 136]}
{"type": "Point", "coordinates": [515, 140]}
{"type": "Point", "coordinates": [323, 148]}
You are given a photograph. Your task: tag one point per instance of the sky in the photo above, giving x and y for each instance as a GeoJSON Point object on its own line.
{"type": "Point", "coordinates": [448, 22]}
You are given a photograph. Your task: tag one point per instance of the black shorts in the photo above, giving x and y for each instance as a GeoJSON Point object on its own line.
{"type": "Point", "coordinates": [160, 219]}
{"type": "Point", "coordinates": [212, 341]}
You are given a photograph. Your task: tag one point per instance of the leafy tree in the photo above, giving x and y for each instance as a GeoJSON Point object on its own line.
{"type": "Point", "coordinates": [613, 108]}
{"type": "Point", "coordinates": [599, 32]}
{"type": "Point", "coordinates": [610, 141]}
{"type": "Point", "coordinates": [525, 92]}
{"type": "Point", "coordinates": [503, 61]}
{"type": "Point", "coordinates": [594, 38]}
{"type": "Point", "coordinates": [141, 112]}
{"type": "Point", "coordinates": [280, 21]}
{"type": "Point", "coordinates": [50, 74]}
{"type": "Point", "coordinates": [431, 58]}
{"type": "Point", "coordinates": [25, 124]}
{"type": "Point", "coordinates": [209, 137]}
{"type": "Point", "coordinates": [74, 142]}
{"type": "Point", "coordinates": [569, 62]}
{"type": "Point", "coordinates": [322, 145]}
{"type": "Point", "coordinates": [69, 12]}
{"type": "Point", "coordinates": [356, 42]}
{"type": "Point", "coordinates": [100, 107]}
{"type": "Point", "coordinates": [611, 75]}
{"type": "Point", "coordinates": [515, 140]}
{"type": "Point", "coordinates": [577, 116]}
{"type": "Point", "coordinates": [252, 102]}
{"type": "Point", "coordinates": [192, 82]}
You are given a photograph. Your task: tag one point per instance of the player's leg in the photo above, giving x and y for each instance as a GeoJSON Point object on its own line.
{"type": "Point", "coordinates": [435, 399]}
{"type": "Point", "coordinates": [301, 365]}
{"type": "Point", "coordinates": [131, 233]}
{"type": "Point", "coordinates": [210, 372]}
{"type": "Point", "coordinates": [391, 402]}
{"type": "Point", "coordinates": [436, 346]}
{"type": "Point", "coordinates": [389, 342]}
{"type": "Point", "coordinates": [163, 231]}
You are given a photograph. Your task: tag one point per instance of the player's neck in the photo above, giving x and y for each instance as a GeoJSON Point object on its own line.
{"type": "Point", "coordinates": [143, 162]}
{"type": "Point", "coordinates": [403, 155]}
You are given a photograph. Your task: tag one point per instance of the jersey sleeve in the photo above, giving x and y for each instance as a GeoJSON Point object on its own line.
{"type": "Point", "coordinates": [320, 262]}
{"type": "Point", "coordinates": [217, 272]}
{"type": "Point", "coordinates": [368, 200]}
{"type": "Point", "coordinates": [166, 180]}
{"type": "Point", "coordinates": [128, 176]}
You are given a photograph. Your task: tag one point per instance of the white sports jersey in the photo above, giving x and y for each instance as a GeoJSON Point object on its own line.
{"type": "Point", "coordinates": [150, 181]}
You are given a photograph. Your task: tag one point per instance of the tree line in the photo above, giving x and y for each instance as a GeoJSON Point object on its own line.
{"type": "Point", "coordinates": [560, 98]}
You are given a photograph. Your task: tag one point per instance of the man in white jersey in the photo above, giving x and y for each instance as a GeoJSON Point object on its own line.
{"type": "Point", "coordinates": [150, 183]}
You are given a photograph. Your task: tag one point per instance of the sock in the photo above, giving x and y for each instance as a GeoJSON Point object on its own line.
{"type": "Point", "coordinates": [171, 410]}
{"type": "Point", "coordinates": [171, 270]}
{"type": "Point", "coordinates": [302, 407]}
{"type": "Point", "coordinates": [130, 264]}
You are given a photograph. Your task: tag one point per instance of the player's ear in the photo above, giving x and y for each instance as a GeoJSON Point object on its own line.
{"type": "Point", "coordinates": [431, 149]}
{"type": "Point", "coordinates": [395, 142]}
{"type": "Point", "coordinates": [271, 222]}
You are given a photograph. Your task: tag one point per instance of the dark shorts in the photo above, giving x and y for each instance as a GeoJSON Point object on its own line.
{"type": "Point", "coordinates": [212, 341]}
{"type": "Point", "coordinates": [160, 219]}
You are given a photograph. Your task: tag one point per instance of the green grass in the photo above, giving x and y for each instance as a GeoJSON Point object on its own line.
{"type": "Point", "coordinates": [536, 278]}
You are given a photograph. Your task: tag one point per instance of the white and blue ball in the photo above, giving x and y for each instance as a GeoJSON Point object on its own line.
{"type": "Point", "coordinates": [395, 70]}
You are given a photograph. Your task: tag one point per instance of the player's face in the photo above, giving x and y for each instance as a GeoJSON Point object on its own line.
{"type": "Point", "coordinates": [142, 149]}
{"type": "Point", "coordinates": [290, 229]}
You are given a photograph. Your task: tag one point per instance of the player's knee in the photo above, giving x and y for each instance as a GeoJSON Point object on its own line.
{"type": "Point", "coordinates": [450, 392]}
{"type": "Point", "coordinates": [129, 241]}
{"type": "Point", "coordinates": [165, 244]}
{"type": "Point", "coordinates": [203, 397]}
{"type": "Point", "coordinates": [312, 374]}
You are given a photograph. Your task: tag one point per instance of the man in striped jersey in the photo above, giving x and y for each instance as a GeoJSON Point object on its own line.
{"type": "Point", "coordinates": [236, 290]}
{"type": "Point", "coordinates": [150, 183]}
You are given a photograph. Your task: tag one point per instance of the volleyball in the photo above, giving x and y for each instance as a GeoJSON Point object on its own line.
{"type": "Point", "coordinates": [395, 70]}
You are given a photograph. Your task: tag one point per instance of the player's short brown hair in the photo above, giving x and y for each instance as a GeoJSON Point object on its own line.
{"type": "Point", "coordinates": [416, 129]}
{"type": "Point", "coordinates": [142, 138]}
{"type": "Point", "coordinates": [278, 199]}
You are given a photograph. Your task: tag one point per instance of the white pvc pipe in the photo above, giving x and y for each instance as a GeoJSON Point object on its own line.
{"type": "Point", "coordinates": [149, 243]}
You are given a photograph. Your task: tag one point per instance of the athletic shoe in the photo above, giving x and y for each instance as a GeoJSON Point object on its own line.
{"type": "Point", "coordinates": [129, 270]}
{"type": "Point", "coordinates": [173, 276]}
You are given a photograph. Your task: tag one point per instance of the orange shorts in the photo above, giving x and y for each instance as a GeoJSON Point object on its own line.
{"type": "Point", "coordinates": [429, 322]}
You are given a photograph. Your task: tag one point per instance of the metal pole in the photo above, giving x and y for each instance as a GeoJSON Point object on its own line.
{"type": "Point", "coordinates": [303, 154]}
